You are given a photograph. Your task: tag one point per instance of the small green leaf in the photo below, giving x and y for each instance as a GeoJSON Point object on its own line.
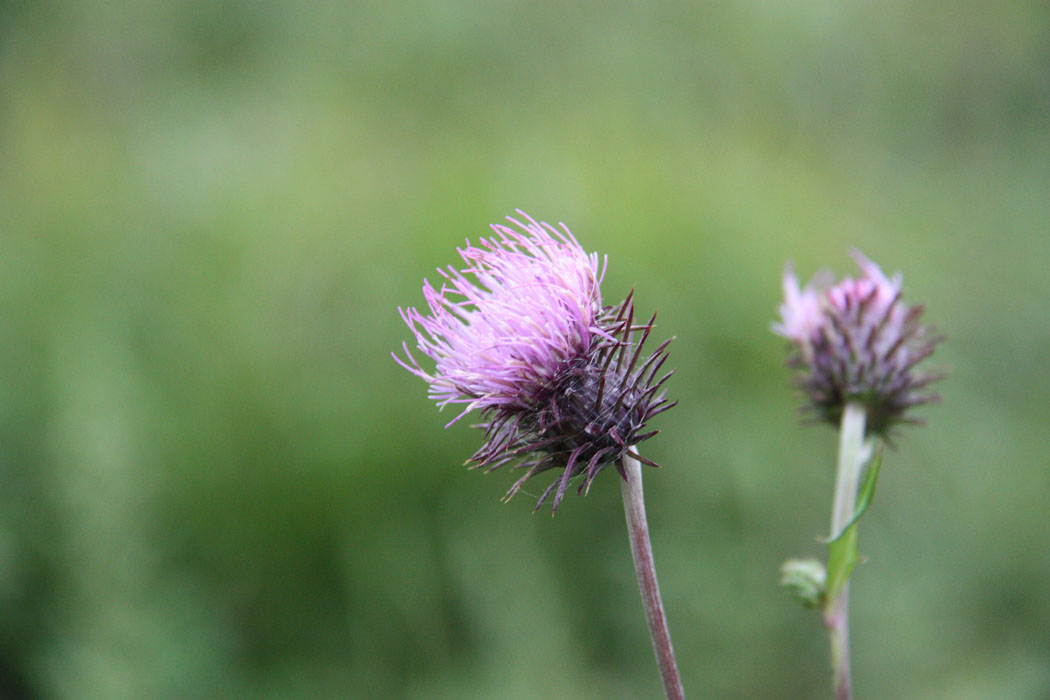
{"type": "Point", "coordinates": [842, 557]}
{"type": "Point", "coordinates": [867, 491]}
{"type": "Point", "coordinates": [805, 579]}
{"type": "Point", "coordinates": [843, 553]}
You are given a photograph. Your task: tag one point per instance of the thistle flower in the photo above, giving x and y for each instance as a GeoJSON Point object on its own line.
{"type": "Point", "coordinates": [857, 342]}
{"type": "Point", "coordinates": [520, 335]}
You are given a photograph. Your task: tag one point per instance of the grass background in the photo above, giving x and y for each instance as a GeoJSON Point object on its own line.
{"type": "Point", "coordinates": [214, 482]}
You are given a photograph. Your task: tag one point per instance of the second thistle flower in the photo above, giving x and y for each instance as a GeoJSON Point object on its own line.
{"type": "Point", "coordinates": [858, 341]}
{"type": "Point", "coordinates": [520, 334]}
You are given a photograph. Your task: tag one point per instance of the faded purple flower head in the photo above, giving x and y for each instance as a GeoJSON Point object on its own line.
{"type": "Point", "coordinates": [857, 341]}
{"type": "Point", "coordinates": [520, 334]}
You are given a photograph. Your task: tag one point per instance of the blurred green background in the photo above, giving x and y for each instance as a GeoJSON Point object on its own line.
{"type": "Point", "coordinates": [214, 481]}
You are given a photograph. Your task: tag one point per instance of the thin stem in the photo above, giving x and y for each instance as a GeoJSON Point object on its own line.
{"type": "Point", "coordinates": [851, 453]}
{"type": "Point", "coordinates": [847, 479]}
{"type": "Point", "coordinates": [836, 619]}
{"type": "Point", "coordinates": [642, 551]}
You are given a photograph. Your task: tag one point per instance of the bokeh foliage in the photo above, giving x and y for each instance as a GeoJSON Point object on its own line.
{"type": "Point", "coordinates": [214, 481]}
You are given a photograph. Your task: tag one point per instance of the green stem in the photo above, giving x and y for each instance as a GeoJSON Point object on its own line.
{"type": "Point", "coordinates": [642, 552]}
{"type": "Point", "coordinates": [847, 479]}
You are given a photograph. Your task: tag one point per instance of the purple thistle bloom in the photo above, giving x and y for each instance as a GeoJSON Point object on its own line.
{"type": "Point", "coordinates": [520, 334]}
{"type": "Point", "coordinates": [857, 341]}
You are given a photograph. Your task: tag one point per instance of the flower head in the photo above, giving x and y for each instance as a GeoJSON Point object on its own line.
{"type": "Point", "coordinates": [857, 341]}
{"type": "Point", "coordinates": [520, 334]}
